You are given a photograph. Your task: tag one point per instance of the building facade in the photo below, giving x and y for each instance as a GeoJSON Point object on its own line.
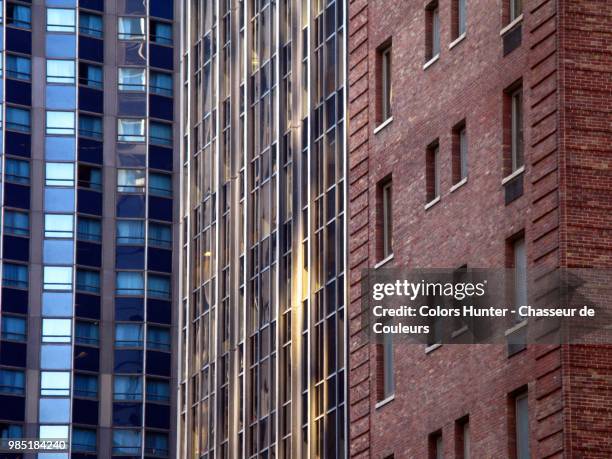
{"type": "Point", "coordinates": [90, 163]}
{"type": "Point", "coordinates": [479, 137]}
{"type": "Point", "coordinates": [262, 371]}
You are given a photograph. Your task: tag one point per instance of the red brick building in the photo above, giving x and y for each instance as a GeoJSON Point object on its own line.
{"type": "Point", "coordinates": [491, 123]}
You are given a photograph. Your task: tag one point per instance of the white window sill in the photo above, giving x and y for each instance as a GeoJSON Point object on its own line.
{"type": "Point", "coordinates": [512, 176]}
{"type": "Point", "coordinates": [457, 40]}
{"type": "Point", "coordinates": [432, 347]}
{"type": "Point", "coordinates": [432, 203]}
{"type": "Point", "coordinates": [459, 332]}
{"type": "Point", "coordinates": [431, 61]}
{"type": "Point", "coordinates": [458, 185]}
{"type": "Point", "coordinates": [384, 402]}
{"type": "Point", "coordinates": [383, 262]}
{"type": "Point", "coordinates": [516, 327]}
{"type": "Point", "coordinates": [511, 26]}
{"type": "Point", "coordinates": [383, 125]}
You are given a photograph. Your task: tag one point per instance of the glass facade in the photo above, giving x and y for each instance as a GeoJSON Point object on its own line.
{"type": "Point", "coordinates": [262, 350]}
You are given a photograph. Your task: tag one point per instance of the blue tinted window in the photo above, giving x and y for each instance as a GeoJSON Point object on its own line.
{"type": "Point", "coordinates": [90, 75]}
{"type": "Point", "coordinates": [88, 281]}
{"type": "Point", "coordinates": [85, 385]}
{"type": "Point", "coordinates": [130, 283]}
{"type": "Point", "coordinates": [89, 229]}
{"type": "Point", "coordinates": [158, 286]}
{"type": "Point", "coordinates": [158, 338]}
{"type": "Point", "coordinates": [86, 333]}
{"type": "Point", "coordinates": [91, 24]}
{"type": "Point", "coordinates": [14, 328]}
{"type": "Point", "coordinates": [16, 223]}
{"type": "Point", "coordinates": [158, 390]}
{"type": "Point", "coordinates": [127, 388]}
{"type": "Point", "coordinates": [17, 171]}
{"type": "Point", "coordinates": [18, 15]}
{"type": "Point", "coordinates": [160, 184]}
{"type": "Point", "coordinates": [84, 440]}
{"type": "Point", "coordinates": [12, 382]}
{"type": "Point", "coordinates": [161, 32]}
{"type": "Point", "coordinates": [126, 442]}
{"type": "Point", "coordinates": [18, 67]}
{"type": "Point", "coordinates": [130, 232]}
{"type": "Point", "coordinates": [160, 133]}
{"type": "Point", "coordinates": [161, 83]}
{"type": "Point", "coordinates": [128, 335]}
{"type": "Point", "coordinates": [90, 126]}
{"type": "Point", "coordinates": [14, 275]}
{"type": "Point", "coordinates": [18, 119]}
{"type": "Point", "coordinates": [160, 235]}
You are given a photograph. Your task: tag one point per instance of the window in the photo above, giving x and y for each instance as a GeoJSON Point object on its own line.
{"type": "Point", "coordinates": [59, 225]}
{"type": "Point", "coordinates": [386, 218]}
{"type": "Point", "coordinates": [432, 31]}
{"type": "Point", "coordinates": [89, 229]}
{"type": "Point", "coordinates": [17, 119]}
{"type": "Point", "coordinates": [90, 126]}
{"type": "Point", "coordinates": [156, 444]}
{"type": "Point", "coordinates": [460, 152]}
{"type": "Point", "coordinates": [16, 223]}
{"type": "Point", "coordinates": [158, 390]}
{"type": "Point", "coordinates": [90, 177]}
{"type": "Point", "coordinates": [9, 431]}
{"type": "Point", "coordinates": [127, 442]}
{"type": "Point", "coordinates": [84, 440]}
{"type": "Point", "coordinates": [160, 184]}
{"type": "Point", "coordinates": [130, 180]}
{"type": "Point", "coordinates": [132, 79]}
{"type": "Point", "coordinates": [60, 71]}
{"type": "Point", "coordinates": [459, 18]}
{"type": "Point", "coordinates": [161, 32]}
{"type": "Point", "coordinates": [18, 67]}
{"type": "Point", "coordinates": [158, 286]}
{"type": "Point", "coordinates": [61, 20]}
{"type": "Point", "coordinates": [130, 283]}
{"type": "Point", "coordinates": [60, 123]}
{"type": "Point", "coordinates": [87, 333]}
{"type": "Point", "coordinates": [462, 438]}
{"type": "Point", "coordinates": [17, 171]}
{"type": "Point", "coordinates": [18, 15]}
{"type": "Point", "coordinates": [436, 446]}
{"type": "Point", "coordinates": [516, 9]}
{"type": "Point", "coordinates": [88, 281]}
{"type": "Point", "coordinates": [160, 83]}
{"type": "Point", "coordinates": [57, 278]}
{"type": "Point", "coordinates": [90, 75]}
{"type": "Point", "coordinates": [91, 25]}
{"type": "Point", "coordinates": [14, 275]}
{"type": "Point", "coordinates": [14, 328]}
{"type": "Point", "coordinates": [160, 235]}
{"type": "Point", "coordinates": [131, 130]}
{"type": "Point", "coordinates": [520, 273]}
{"type": "Point", "coordinates": [432, 173]}
{"type": "Point", "coordinates": [12, 382]}
{"type": "Point", "coordinates": [385, 83]}
{"type": "Point", "coordinates": [516, 127]}
{"type": "Point", "coordinates": [520, 425]}
{"type": "Point", "coordinates": [55, 383]}
{"type": "Point", "coordinates": [127, 388]}
{"type": "Point", "coordinates": [388, 368]}
{"type": "Point", "coordinates": [131, 28]}
{"type": "Point", "coordinates": [85, 385]}
{"type": "Point", "coordinates": [160, 133]}
{"type": "Point", "coordinates": [158, 338]}
{"type": "Point", "coordinates": [59, 174]}
{"type": "Point", "coordinates": [130, 232]}
{"type": "Point", "coordinates": [56, 330]}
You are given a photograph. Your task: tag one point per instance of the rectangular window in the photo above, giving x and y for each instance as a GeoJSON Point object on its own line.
{"type": "Point", "coordinates": [385, 83]}
{"type": "Point", "coordinates": [462, 438]}
{"type": "Point", "coordinates": [386, 218]}
{"type": "Point", "coordinates": [87, 333]}
{"type": "Point", "coordinates": [131, 130]}
{"type": "Point", "coordinates": [17, 171]}
{"type": "Point", "coordinates": [17, 119]}
{"type": "Point", "coordinates": [14, 328]}
{"type": "Point", "coordinates": [520, 425]}
{"type": "Point", "coordinates": [160, 133]}
{"type": "Point", "coordinates": [127, 388]}
{"type": "Point", "coordinates": [160, 83]}
{"type": "Point", "coordinates": [432, 173]}
{"type": "Point", "coordinates": [388, 367]}
{"type": "Point", "coordinates": [459, 18]}
{"type": "Point", "coordinates": [158, 338]}
{"type": "Point", "coordinates": [88, 281]}
{"type": "Point", "coordinates": [131, 28]}
{"type": "Point", "coordinates": [55, 383]}
{"type": "Point", "coordinates": [432, 31]}
{"type": "Point", "coordinates": [90, 126]}
{"type": "Point", "coordinates": [517, 129]}
{"type": "Point", "coordinates": [61, 20]}
{"type": "Point", "coordinates": [520, 273]}
{"type": "Point", "coordinates": [160, 235]}
{"type": "Point", "coordinates": [12, 382]}
{"type": "Point", "coordinates": [56, 330]}
{"type": "Point", "coordinates": [91, 25]}
{"type": "Point", "coordinates": [127, 442]}
{"type": "Point", "coordinates": [132, 79]}
{"type": "Point", "coordinates": [160, 184]}
{"type": "Point", "coordinates": [59, 226]}
{"type": "Point", "coordinates": [85, 385]}
{"type": "Point", "coordinates": [84, 440]}
{"type": "Point", "coordinates": [14, 275]}
{"type": "Point", "coordinates": [18, 67]}
{"type": "Point", "coordinates": [460, 153]}
{"type": "Point", "coordinates": [516, 9]}
{"type": "Point", "coordinates": [90, 75]}
{"type": "Point", "coordinates": [90, 177]}
{"type": "Point", "coordinates": [161, 32]}
{"type": "Point", "coordinates": [129, 283]}
{"type": "Point", "coordinates": [61, 71]}
{"type": "Point", "coordinates": [128, 335]}
{"type": "Point", "coordinates": [60, 123]}
{"type": "Point", "coordinates": [158, 286]}
{"type": "Point", "coordinates": [89, 229]}
{"type": "Point", "coordinates": [158, 390]}
{"type": "Point", "coordinates": [130, 232]}
{"type": "Point", "coordinates": [436, 446]}
{"type": "Point", "coordinates": [57, 278]}
{"type": "Point", "coordinates": [16, 223]}
{"type": "Point", "coordinates": [130, 180]}
{"type": "Point", "coordinates": [156, 444]}
{"type": "Point", "coordinates": [59, 174]}
{"type": "Point", "coordinates": [18, 15]}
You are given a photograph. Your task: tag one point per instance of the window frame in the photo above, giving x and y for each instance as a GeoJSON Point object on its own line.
{"type": "Point", "coordinates": [59, 27]}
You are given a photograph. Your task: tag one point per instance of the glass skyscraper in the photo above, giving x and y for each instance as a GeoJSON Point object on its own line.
{"type": "Point", "coordinates": [262, 369]}
{"type": "Point", "coordinates": [90, 161]}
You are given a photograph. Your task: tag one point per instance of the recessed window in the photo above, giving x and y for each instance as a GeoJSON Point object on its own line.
{"type": "Point", "coordinates": [90, 126]}
{"type": "Point", "coordinates": [57, 278]}
{"type": "Point", "coordinates": [87, 333]}
{"type": "Point", "coordinates": [158, 286]}
{"type": "Point", "coordinates": [17, 171]}
{"type": "Point", "coordinates": [61, 20]}
{"type": "Point", "coordinates": [161, 32]}
{"type": "Point", "coordinates": [385, 83]}
{"type": "Point", "coordinates": [89, 229]}
{"type": "Point", "coordinates": [459, 18]}
{"type": "Point", "coordinates": [128, 335]}
{"type": "Point", "coordinates": [14, 328]}
{"type": "Point", "coordinates": [130, 232]}
{"type": "Point", "coordinates": [17, 119]}
{"type": "Point", "coordinates": [59, 174]}
{"type": "Point", "coordinates": [156, 444]}
{"type": "Point", "coordinates": [160, 133]}
{"type": "Point", "coordinates": [60, 123]}
{"type": "Point", "coordinates": [160, 83]}
{"type": "Point", "coordinates": [432, 31]}
{"type": "Point", "coordinates": [436, 446]}
{"type": "Point", "coordinates": [131, 130]}
{"type": "Point", "coordinates": [90, 75]}
{"type": "Point", "coordinates": [130, 180]}
{"type": "Point", "coordinates": [386, 219]}
{"type": "Point", "coordinates": [12, 382]}
{"type": "Point", "coordinates": [127, 388]}
{"type": "Point", "coordinates": [131, 28]}
{"type": "Point", "coordinates": [432, 173]}
{"type": "Point", "coordinates": [158, 390]}
{"type": "Point", "coordinates": [132, 79]}
{"type": "Point", "coordinates": [59, 225]}
{"type": "Point", "coordinates": [60, 71]}
{"type": "Point", "coordinates": [516, 127]}
{"type": "Point", "coordinates": [56, 330]}
{"type": "Point", "coordinates": [91, 25]}
{"type": "Point", "coordinates": [387, 388]}
{"type": "Point", "coordinates": [16, 223]}
{"type": "Point", "coordinates": [14, 275]}
{"type": "Point", "coordinates": [519, 260]}
{"type": "Point", "coordinates": [55, 383]}
{"type": "Point", "coordinates": [90, 177]}
{"type": "Point", "coordinates": [88, 280]}
{"type": "Point", "coordinates": [85, 385]}
{"type": "Point", "coordinates": [158, 338]}
{"type": "Point", "coordinates": [160, 235]}
{"type": "Point", "coordinates": [127, 442]}
{"type": "Point", "coordinates": [84, 440]}
{"type": "Point", "coordinates": [462, 438]}
{"type": "Point", "coordinates": [18, 67]}
{"type": "Point", "coordinates": [18, 15]}
{"type": "Point", "coordinates": [520, 425]}
{"type": "Point", "coordinates": [160, 184]}
{"type": "Point", "coordinates": [460, 153]}
{"type": "Point", "coordinates": [130, 283]}
{"type": "Point", "coordinates": [516, 9]}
